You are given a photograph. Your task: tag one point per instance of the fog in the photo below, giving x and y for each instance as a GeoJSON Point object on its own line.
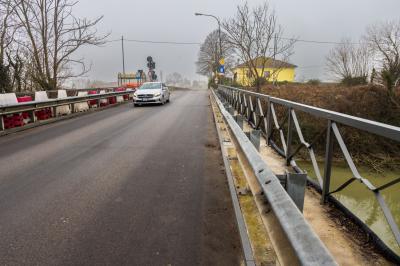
{"type": "Point", "coordinates": [174, 20]}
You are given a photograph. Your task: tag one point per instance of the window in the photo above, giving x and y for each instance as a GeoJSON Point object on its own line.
{"type": "Point", "coordinates": [150, 86]}
{"type": "Point", "coordinates": [267, 74]}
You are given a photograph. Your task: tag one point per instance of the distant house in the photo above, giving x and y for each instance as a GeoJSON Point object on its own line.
{"type": "Point", "coordinates": [274, 70]}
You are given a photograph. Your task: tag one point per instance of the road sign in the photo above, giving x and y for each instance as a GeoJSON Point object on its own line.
{"type": "Point", "coordinates": [221, 69]}
{"type": "Point", "coordinates": [222, 61]}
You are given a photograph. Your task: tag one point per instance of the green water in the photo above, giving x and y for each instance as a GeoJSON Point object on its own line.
{"type": "Point", "coordinates": [357, 198]}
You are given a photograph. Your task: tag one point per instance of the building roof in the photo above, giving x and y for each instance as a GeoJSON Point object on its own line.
{"type": "Point", "coordinates": [269, 63]}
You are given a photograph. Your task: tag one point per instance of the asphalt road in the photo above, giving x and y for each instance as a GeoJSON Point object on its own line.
{"type": "Point", "coordinates": [122, 186]}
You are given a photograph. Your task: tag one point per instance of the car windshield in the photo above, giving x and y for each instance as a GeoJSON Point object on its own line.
{"type": "Point", "coordinates": [150, 86]}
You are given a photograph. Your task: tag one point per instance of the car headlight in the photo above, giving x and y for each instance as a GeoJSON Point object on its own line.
{"type": "Point", "coordinates": [135, 95]}
{"type": "Point", "coordinates": [157, 94]}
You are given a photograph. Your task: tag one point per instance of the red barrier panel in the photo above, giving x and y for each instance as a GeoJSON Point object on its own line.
{"type": "Point", "coordinates": [24, 99]}
{"type": "Point", "coordinates": [43, 114]}
{"type": "Point", "coordinates": [112, 100]}
{"type": "Point", "coordinates": [126, 97]}
{"type": "Point", "coordinates": [92, 102]}
{"type": "Point", "coordinates": [102, 104]}
{"type": "Point", "coordinates": [11, 121]}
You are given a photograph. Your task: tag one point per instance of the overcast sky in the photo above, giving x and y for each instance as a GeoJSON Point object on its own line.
{"type": "Point", "coordinates": [174, 20]}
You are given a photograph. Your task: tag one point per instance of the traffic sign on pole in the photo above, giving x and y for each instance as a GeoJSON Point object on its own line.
{"type": "Point", "coordinates": [221, 69]}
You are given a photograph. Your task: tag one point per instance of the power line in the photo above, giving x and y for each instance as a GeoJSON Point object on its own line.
{"type": "Point", "coordinates": [317, 42]}
{"type": "Point", "coordinates": [198, 43]}
{"type": "Point", "coordinates": [164, 42]}
{"type": "Point", "coordinates": [155, 42]}
{"type": "Point", "coordinates": [314, 66]}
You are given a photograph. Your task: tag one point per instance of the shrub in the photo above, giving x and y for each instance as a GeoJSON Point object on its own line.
{"type": "Point", "coordinates": [315, 82]}
{"type": "Point", "coordinates": [353, 81]}
{"type": "Point", "coordinates": [258, 82]}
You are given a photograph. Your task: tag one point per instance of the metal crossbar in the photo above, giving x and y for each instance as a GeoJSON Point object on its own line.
{"type": "Point", "coordinates": [268, 122]}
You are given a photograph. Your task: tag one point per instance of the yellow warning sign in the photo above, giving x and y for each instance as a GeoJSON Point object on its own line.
{"type": "Point", "coordinates": [222, 61]}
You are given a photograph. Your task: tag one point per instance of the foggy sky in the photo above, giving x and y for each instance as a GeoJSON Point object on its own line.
{"type": "Point", "coordinates": [174, 20]}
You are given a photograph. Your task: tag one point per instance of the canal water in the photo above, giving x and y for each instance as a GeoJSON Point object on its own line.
{"type": "Point", "coordinates": [361, 201]}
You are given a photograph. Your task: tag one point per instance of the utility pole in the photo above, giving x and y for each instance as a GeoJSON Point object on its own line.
{"type": "Point", "coordinates": [123, 56]}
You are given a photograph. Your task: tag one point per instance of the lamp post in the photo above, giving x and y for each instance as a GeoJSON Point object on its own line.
{"type": "Point", "coordinates": [219, 30]}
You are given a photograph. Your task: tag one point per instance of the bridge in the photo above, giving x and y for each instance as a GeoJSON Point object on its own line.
{"type": "Point", "coordinates": [148, 186]}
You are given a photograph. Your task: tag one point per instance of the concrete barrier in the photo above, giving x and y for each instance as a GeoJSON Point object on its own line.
{"type": "Point", "coordinates": [8, 99]}
{"type": "Point", "coordinates": [45, 113]}
{"type": "Point", "coordinates": [121, 99]}
{"type": "Point", "coordinates": [103, 102]}
{"type": "Point", "coordinates": [13, 120]}
{"type": "Point", "coordinates": [63, 109]}
{"type": "Point", "coordinates": [41, 96]}
{"type": "Point", "coordinates": [81, 107]}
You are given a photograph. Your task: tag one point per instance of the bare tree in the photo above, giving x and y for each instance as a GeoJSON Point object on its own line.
{"type": "Point", "coordinates": [349, 62]}
{"type": "Point", "coordinates": [174, 79]}
{"type": "Point", "coordinates": [53, 35]}
{"type": "Point", "coordinates": [384, 39]}
{"type": "Point", "coordinates": [209, 54]}
{"type": "Point", "coordinates": [6, 37]}
{"type": "Point", "coordinates": [7, 26]}
{"type": "Point", "coordinates": [255, 33]}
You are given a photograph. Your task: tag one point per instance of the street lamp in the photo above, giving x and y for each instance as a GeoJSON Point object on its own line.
{"type": "Point", "coordinates": [219, 30]}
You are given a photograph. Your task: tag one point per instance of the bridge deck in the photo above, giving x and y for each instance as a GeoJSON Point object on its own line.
{"type": "Point", "coordinates": [120, 186]}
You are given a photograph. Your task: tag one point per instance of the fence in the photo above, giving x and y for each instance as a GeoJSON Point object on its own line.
{"type": "Point", "coordinates": [260, 111]}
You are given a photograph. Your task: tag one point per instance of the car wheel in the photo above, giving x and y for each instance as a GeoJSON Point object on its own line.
{"type": "Point", "coordinates": [168, 100]}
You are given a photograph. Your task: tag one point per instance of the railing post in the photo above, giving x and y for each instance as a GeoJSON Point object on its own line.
{"type": "Point", "coordinates": [236, 101]}
{"type": "Point", "coordinates": [255, 136]}
{"type": "Point", "coordinates": [2, 127]}
{"type": "Point", "coordinates": [241, 103]}
{"type": "Point", "coordinates": [32, 116]}
{"type": "Point", "coordinates": [289, 137]}
{"type": "Point", "coordinates": [328, 163]}
{"type": "Point", "coordinates": [269, 122]}
{"type": "Point", "coordinates": [239, 120]}
{"type": "Point", "coordinates": [54, 111]}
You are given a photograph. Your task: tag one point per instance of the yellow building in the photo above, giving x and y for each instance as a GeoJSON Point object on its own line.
{"type": "Point", "coordinates": [274, 70]}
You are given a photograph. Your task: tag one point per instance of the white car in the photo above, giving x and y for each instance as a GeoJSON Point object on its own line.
{"type": "Point", "coordinates": [151, 93]}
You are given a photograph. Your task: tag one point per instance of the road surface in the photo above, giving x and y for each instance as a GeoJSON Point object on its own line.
{"type": "Point", "coordinates": [122, 186]}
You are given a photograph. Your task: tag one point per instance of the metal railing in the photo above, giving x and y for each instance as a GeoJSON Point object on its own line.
{"type": "Point", "coordinates": [260, 111]}
{"type": "Point", "coordinates": [307, 246]}
{"type": "Point", "coordinates": [31, 107]}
